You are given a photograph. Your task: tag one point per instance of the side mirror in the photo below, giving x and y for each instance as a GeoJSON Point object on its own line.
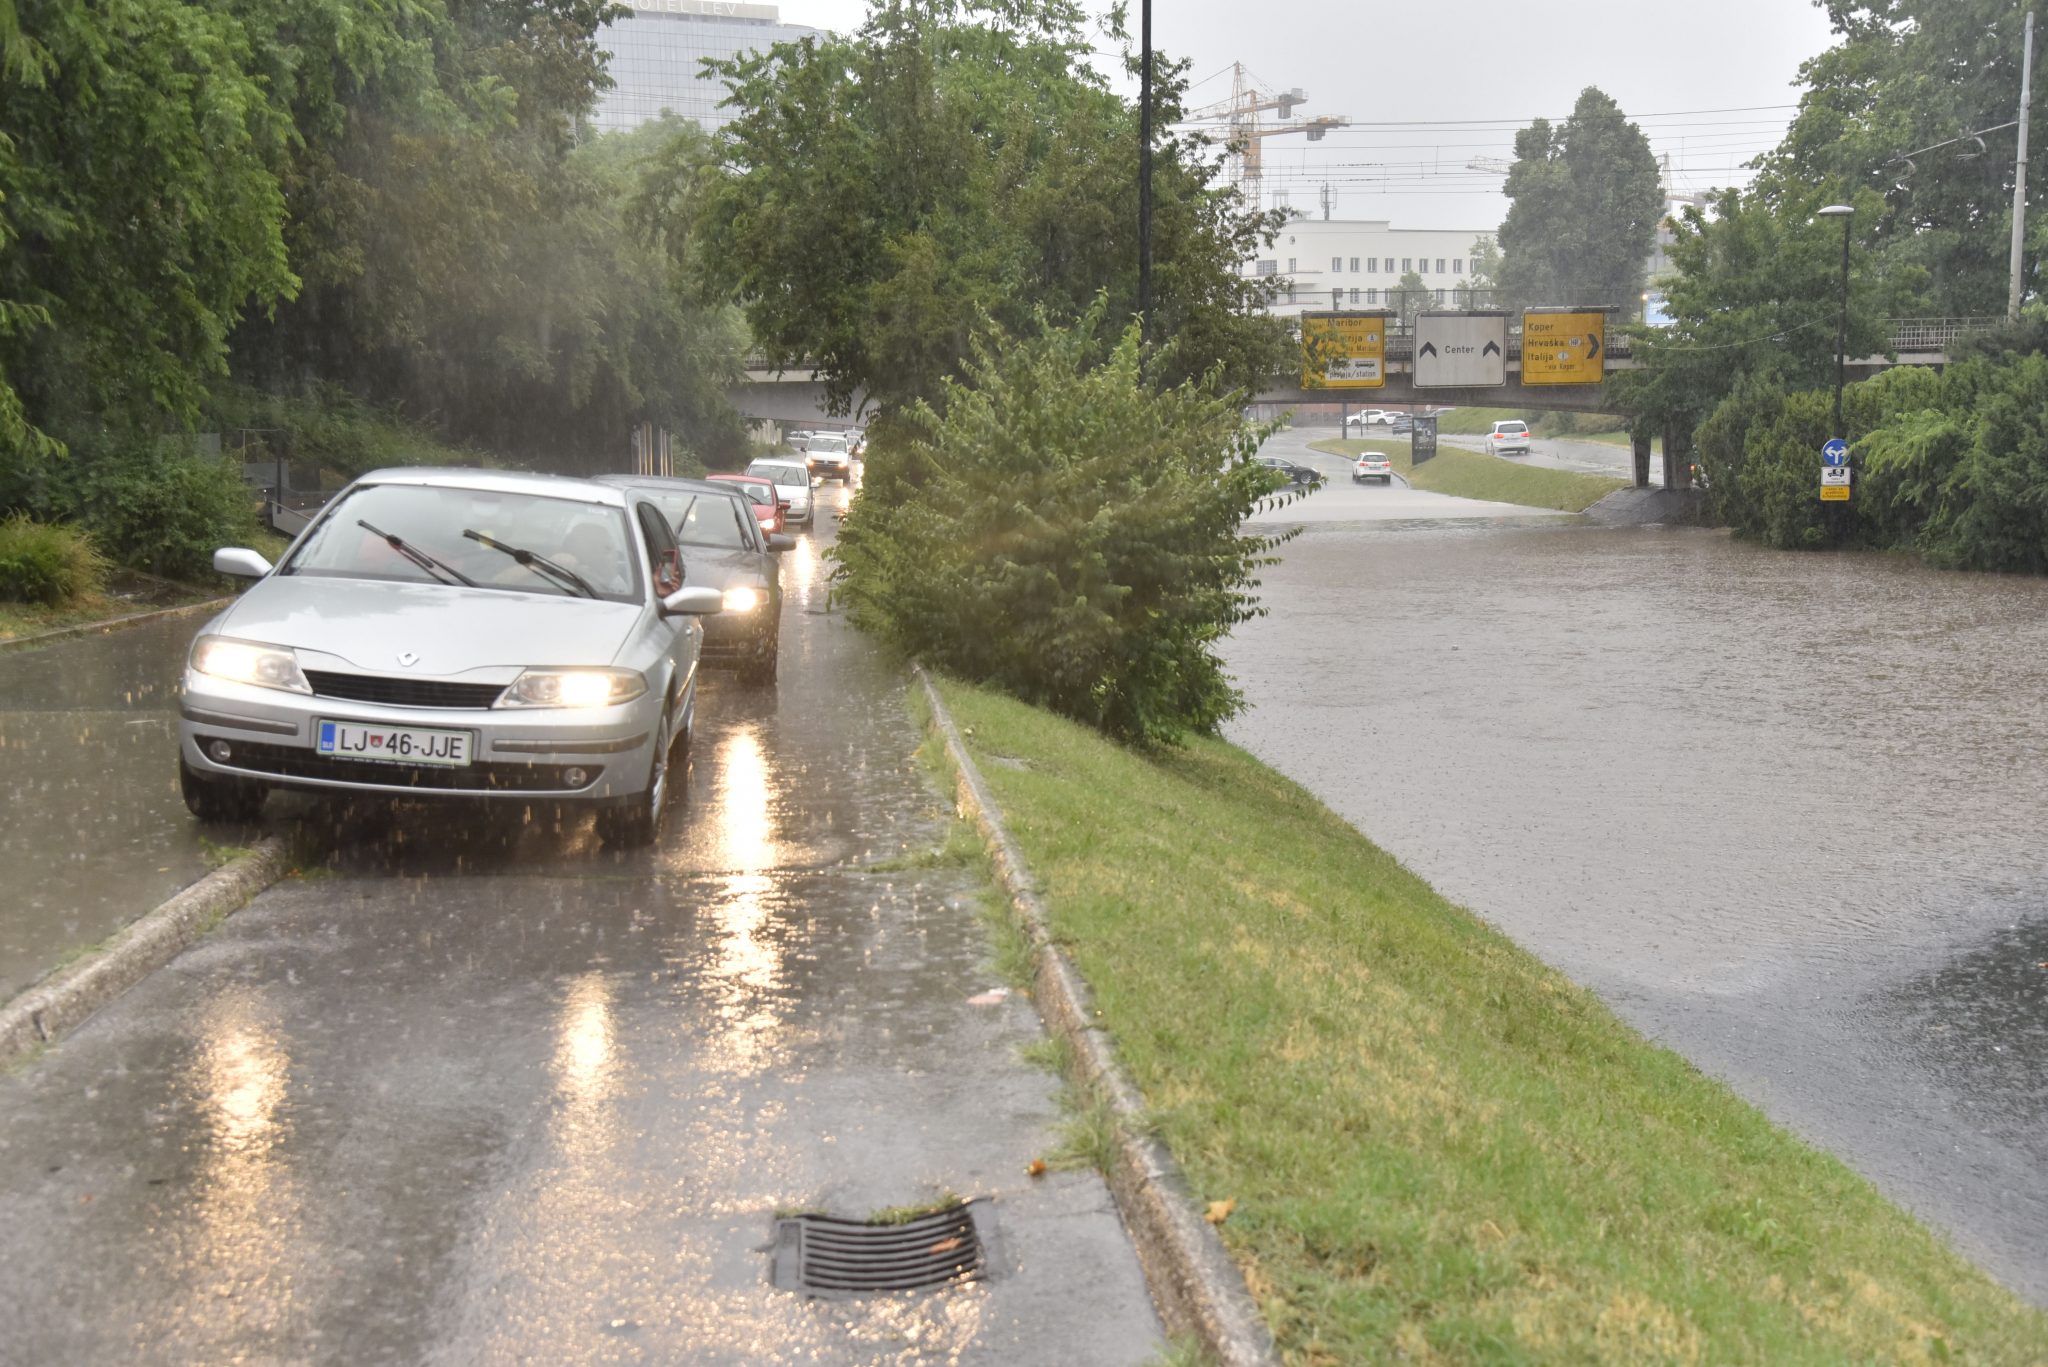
{"type": "Point", "coordinates": [240, 563]}
{"type": "Point", "coordinates": [779, 543]}
{"type": "Point", "coordinates": [697, 602]}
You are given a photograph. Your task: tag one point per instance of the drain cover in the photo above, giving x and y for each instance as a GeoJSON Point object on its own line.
{"type": "Point", "coordinates": [827, 1257]}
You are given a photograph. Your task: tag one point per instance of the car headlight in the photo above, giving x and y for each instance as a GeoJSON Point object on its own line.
{"type": "Point", "coordinates": [222, 657]}
{"type": "Point", "coordinates": [742, 599]}
{"type": "Point", "coordinates": [574, 688]}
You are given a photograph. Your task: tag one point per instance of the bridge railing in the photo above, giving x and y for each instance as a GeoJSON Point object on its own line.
{"type": "Point", "coordinates": [1935, 334]}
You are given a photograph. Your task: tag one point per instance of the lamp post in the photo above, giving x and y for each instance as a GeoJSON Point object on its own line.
{"type": "Point", "coordinates": [1845, 213]}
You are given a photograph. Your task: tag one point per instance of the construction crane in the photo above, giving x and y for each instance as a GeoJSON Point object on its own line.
{"type": "Point", "coordinates": [1240, 114]}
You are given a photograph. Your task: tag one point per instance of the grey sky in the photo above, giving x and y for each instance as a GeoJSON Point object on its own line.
{"type": "Point", "coordinates": [1465, 76]}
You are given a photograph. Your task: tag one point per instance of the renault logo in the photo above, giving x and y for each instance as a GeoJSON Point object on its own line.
{"type": "Point", "coordinates": [407, 658]}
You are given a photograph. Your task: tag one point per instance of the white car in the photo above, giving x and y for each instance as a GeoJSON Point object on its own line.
{"type": "Point", "coordinates": [1508, 437]}
{"type": "Point", "coordinates": [455, 634]}
{"type": "Point", "coordinates": [829, 456]}
{"type": "Point", "coordinates": [792, 477]}
{"type": "Point", "coordinates": [1371, 417]}
{"type": "Point", "coordinates": [1372, 465]}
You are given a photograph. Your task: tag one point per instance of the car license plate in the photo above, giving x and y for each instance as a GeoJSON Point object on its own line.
{"type": "Point", "coordinates": [394, 744]}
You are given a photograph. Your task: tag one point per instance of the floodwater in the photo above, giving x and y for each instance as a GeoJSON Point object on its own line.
{"type": "Point", "coordinates": [1787, 814]}
{"type": "Point", "coordinates": [92, 830]}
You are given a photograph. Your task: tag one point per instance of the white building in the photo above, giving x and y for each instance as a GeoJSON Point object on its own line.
{"type": "Point", "coordinates": [656, 52]}
{"type": "Point", "coordinates": [1330, 263]}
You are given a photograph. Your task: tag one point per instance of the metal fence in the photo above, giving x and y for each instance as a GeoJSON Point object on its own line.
{"type": "Point", "coordinates": [1935, 334]}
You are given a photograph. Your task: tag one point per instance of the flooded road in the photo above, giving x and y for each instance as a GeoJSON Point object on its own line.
{"type": "Point", "coordinates": [484, 1091]}
{"type": "Point", "coordinates": [92, 830]}
{"type": "Point", "coordinates": [1787, 814]}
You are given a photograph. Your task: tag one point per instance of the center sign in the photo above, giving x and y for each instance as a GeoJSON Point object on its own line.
{"type": "Point", "coordinates": [1344, 350]}
{"type": "Point", "coordinates": [1461, 350]}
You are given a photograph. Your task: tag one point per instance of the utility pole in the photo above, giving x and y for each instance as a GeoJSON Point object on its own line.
{"type": "Point", "coordinates": [1145, 177]}
{"type": "Point", "coordinates": [1326, 201]}
{"type": "Point", "coordinates": [2019, 179]}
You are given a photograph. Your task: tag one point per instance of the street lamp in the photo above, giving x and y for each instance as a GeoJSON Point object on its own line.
{"type": "Point", "coordinates": [1845, 213]}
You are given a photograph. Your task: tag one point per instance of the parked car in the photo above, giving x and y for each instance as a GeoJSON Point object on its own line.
{"type": "Point", "coordinates": [792, 479]}
{"type": "Point", "coordinates": [724, 548]}
{"type": "Point", "coordinates": [1372, 465]}
{"type": "Point", "coordinates": [770, 508]}
{"type": "Point", "coordinates": [1288, 472]}
{"type": "Point", "coordinates": [1508, 437]}
{"type": "Point", "coordinates": [829, 456]}
{"type": "Point", "coordinates": [453, 632]}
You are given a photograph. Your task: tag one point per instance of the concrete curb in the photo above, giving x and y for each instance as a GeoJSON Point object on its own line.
{"type": "Point", "coordinates": [136, 619]}
{"type": "Point", "coordinates": [1195, 1286]}
{"type": "Point", "coordinates": [62, 1001]}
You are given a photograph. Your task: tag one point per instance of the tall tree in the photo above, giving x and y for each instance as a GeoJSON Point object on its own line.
{"type": "Point", "coordinates": [955, 161]}
{"type": "Point", "coordinates": [1905, 75]}
{"type": "Point", "coordinates": [1586, 201]}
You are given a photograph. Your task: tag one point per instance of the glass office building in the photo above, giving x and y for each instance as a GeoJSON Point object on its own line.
{"type": "Point", "coordinates": [658, 51]}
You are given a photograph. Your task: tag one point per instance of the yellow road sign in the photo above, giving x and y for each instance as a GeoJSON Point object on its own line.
{"type": "Point", "coordinates": [1564, 348]}
{"type": "Point", "coordinates": [1344, 350]}
{"type": "Point", "coordinates": [1834, 493]}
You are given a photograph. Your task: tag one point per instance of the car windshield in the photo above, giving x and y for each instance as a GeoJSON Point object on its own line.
{"type": "Point", "coordinates": [711, 520]}
{"type": "Point", "coordinates": [784, 475]}
{"type": "Point", "coordinates": [755, 493]}
{"type": "Point", "coordinates": [473, 536]}
{"type": "Point", "coordinates": [1512, 427]}
{"type": "Point", "coordinates": [828, 443]}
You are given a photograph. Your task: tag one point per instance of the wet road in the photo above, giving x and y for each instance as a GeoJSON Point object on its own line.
{"type": "Point", "coordinates": [489, 1093]}
{"type": "Point", "coordinates": [1564, 453]}
{"type": "Point", "coordinates": [1343, 500]}
{"type": "Point", "coordinates": [1788, 814]}
{"type": "Point", "coordinates": [92, 830]}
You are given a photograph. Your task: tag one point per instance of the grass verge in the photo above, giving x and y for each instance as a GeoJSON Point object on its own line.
{"type": "Point", "coordinates": [1474, 474]}
{"type": "Point", "coordinates": [30, 619]}
{"type": "Point", "coordinates": [1438, 1148]}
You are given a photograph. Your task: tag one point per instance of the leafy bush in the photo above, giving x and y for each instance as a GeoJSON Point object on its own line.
{"type": "Point", "coordinates": [45, 563]}
{"type": "Point", "coordinates": [330, 431]}
{"type": "Point", "coordinates": [1057, 529]}
{"type": "Point", "coordinates": [1952, 465]}
{"type": "Point", "coordinates": [162, 507]}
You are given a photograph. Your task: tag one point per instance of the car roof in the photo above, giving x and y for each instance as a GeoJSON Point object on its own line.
{"type": "Point", "coordinates": [497, 482]}
{"type": "Point", "coordinates": [659, 483]}
{"type": "Point", "coordinates": [727, 477]}
{"type": "Point", "coordinates": [776, 460]}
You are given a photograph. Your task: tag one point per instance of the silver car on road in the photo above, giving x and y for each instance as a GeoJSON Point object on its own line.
{"type": "Point", "coordinates": [453, 632]}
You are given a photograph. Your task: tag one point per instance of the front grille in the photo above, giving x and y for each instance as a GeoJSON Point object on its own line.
{"type": "Point", "coordinates": [288, 762]}
{"type": "Point", "coordinates": [832, 1258]}
{"type": "Point", "coordinates": [402, 692]}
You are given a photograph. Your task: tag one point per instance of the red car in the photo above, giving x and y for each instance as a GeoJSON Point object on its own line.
{"type": "Point", "coordinates": [769, 510]}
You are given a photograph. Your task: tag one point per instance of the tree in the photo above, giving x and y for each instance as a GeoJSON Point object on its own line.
{"type": "Point", "coordinates": [1416, 297]}
{"type": "Point", "coordinates": [1908, 74]}
{"type": "Point", "coordinates": [1586, 204]}
{"type": "Point", "coordinates": [1755, 294]}
{"type": "Point", "coordinates": [955, 161]}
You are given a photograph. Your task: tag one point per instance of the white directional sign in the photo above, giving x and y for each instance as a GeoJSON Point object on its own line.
{"type": "Point", "coordinates": [1461, 350]}
{"type": "Point", "coordinates": [1833, 474]}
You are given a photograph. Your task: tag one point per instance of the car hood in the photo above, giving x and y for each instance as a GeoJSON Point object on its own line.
{"type": "Point", "coordinates": [708, 568]}
{"type": "Point", "coordinates": [369, 623]}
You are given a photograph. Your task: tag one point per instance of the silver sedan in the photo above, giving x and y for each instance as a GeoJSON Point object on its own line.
{"type": "Point", "coordinates": [453, 632]}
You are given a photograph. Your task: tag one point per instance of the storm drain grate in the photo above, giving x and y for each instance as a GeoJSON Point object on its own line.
{"type": "Point", "coordinates": [820, 1255]}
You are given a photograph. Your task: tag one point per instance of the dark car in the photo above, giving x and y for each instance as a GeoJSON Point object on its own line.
{"type": "Point", "coordinates": [1289, 473]}
{"type": "Point", "coordinates": [724, 548]}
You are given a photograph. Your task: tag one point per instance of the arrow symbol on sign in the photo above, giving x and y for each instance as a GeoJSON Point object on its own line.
{"type": "Point", "coordinates": [1490, 349]}
{"type": "Point", "coordinates": [1428, 349]}
{"type": "Point", "coordinates": [1593, 353]}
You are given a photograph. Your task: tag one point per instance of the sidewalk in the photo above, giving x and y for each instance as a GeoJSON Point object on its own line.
{"type": "Point", "coordinates": [92, 830]}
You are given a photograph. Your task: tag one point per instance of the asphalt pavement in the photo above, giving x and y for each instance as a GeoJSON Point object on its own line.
{"type": "Point", "coordinates": [484, 1091]}
{"type": "Point", "coordinates": [1341, 500]}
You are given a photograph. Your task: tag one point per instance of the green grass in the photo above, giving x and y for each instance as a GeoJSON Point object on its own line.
{"type": "Point", "coordinates": [29, 619]}
{"type": "Point", "coordinates": [1440, 1149]}
{"type": "Point", "coordinates": [1474, 474]}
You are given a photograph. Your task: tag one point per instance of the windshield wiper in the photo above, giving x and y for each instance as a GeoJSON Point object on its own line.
{"type": "Point", "coordinates": [416, 555]}
{"type": "Point", "coordinates": [536, 562]}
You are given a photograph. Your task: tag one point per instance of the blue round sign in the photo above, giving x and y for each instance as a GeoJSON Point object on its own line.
{"type": "Point", "coordinates": [1835, 452]}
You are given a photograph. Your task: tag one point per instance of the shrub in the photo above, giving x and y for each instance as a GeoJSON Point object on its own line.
{"type": "Point", "coordinates": [162, 507]}
{"type": "Point", "coordinates": [1058, 529]}
{"type": "Point", "coordinates": [42, 562]}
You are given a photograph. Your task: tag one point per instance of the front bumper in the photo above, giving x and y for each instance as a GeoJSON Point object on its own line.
{"type": "Point", "coordinates": [740, 637]}
{"type": "Point", "coordinates": [525, 753]}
